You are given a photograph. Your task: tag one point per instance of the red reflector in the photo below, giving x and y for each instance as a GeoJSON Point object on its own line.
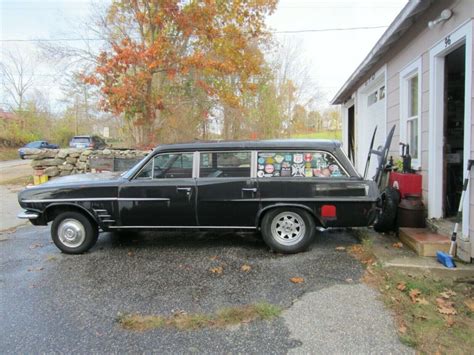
{"type": "Point", "coordinates": [328, 211]}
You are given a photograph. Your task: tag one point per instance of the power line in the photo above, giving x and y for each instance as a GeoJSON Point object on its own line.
{"type": "Point", "coordinates": [275, 32]}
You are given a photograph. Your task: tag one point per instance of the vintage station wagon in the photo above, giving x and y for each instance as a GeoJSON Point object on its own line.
{"type": "Point", "coordinates": [284, 188]}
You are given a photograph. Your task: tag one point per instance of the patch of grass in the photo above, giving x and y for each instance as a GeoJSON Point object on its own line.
{"type": "Point", "coordinates": [183, 321]}
{"type": "Point", "coordinates": [9, 154]}
{"type": "Point", "coordinates": [18, 181]}
{"type": "Point", "coordinates": [319, 135]}
{"type": "Point", "coordinates": [420, 322]}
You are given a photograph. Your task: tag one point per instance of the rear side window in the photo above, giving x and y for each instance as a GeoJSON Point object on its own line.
{"type": "Point", "coordinates": [224, 164]}
{"type": "Point", "coordinates": [298, 164]}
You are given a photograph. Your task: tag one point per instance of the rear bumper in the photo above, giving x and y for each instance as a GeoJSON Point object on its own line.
{"type": "Point", "coordinates": [27, 215]}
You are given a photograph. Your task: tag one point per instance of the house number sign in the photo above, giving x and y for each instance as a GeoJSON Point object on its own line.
{"type": "Point", "coordinates": [447, 41]}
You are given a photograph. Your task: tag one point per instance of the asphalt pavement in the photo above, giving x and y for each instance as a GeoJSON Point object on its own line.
{"type": "Point", "coordinates": [53, 302]}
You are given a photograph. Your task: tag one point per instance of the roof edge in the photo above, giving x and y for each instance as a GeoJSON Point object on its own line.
{"type": "Point", "coordinates": [397, 25]}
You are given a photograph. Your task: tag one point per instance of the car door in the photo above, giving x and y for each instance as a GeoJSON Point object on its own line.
{"type": "Point", "coordinates": [162, 194]}
{"type": "Point", "coordinates": [227, 196]}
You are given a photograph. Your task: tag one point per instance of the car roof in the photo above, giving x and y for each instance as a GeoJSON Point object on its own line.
{"type": "Point", "coordinates": [300, 144]}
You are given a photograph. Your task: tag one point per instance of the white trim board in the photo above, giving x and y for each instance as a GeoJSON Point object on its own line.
{"type": "Point", "coordinates": [406, 74]}
{"type": "Point", "coordinates": [459, 37]}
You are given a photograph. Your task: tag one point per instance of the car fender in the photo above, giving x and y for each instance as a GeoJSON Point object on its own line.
{"type": "Point", "coordinates": [262, 211]}
{"type": "Point", "coordinates": [76, 206]}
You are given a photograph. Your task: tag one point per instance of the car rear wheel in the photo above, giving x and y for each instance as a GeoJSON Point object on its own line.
{"type": "Point", "coordinates": [288, 230]}
{"type": "Point", "coordinates": [74, 233]}
{"type": "Point", "coordinates": [387, 216]}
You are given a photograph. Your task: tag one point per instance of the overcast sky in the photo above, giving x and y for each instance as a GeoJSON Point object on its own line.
{"type": "Point", "coordinates": [332, 55]}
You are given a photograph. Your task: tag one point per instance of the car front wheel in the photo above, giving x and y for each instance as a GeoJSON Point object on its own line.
{"type": "Point", "coordinates": [73, 233]}
{"type": "Point", "coordinates": [288, 230]}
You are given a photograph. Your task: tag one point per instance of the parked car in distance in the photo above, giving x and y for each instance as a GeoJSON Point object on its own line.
{"type": "Point", "coordinates": [36, 145]}
{"type": "Point", "coordinates": [284, 188]}
{"type": "Point", "coordinates": [94, 142]}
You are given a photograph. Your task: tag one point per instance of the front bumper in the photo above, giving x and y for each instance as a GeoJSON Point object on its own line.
{"type": "Point", "coordinates": [27, 215]}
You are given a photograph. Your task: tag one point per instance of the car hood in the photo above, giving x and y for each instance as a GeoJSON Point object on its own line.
{"type": "Point", "coordinates": [81, 179]}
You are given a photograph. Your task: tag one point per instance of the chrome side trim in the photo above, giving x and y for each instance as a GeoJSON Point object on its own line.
{"type": "Point", "coordinates": [27, 215]}
{"type": "Point", "coordinates": [72, 199]}
{"type": "Point", "coordinates": [184, 227]}
{"type": "Point", "coordinates": [97, 199]}
{"type": "Point", "coordinates": [143, 199]}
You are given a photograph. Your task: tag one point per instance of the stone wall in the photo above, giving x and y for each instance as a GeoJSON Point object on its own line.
{"type": "Point", "coordinates": [62, 162]}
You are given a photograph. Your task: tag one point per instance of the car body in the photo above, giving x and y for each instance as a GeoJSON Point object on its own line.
{"type": "Point", "coordinates": [36, 145]}
{"type": "Point", "coordinates": [94, 142]}
{"type": "Point", "coordinates": [284, 188]}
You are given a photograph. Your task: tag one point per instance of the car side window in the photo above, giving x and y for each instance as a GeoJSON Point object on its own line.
{"type": "Point", "coordinates": [298, 164]}
{"type": "Point", "coordinates": [168, 166]}
{"type": "Point", "coordinates": [224, 164]}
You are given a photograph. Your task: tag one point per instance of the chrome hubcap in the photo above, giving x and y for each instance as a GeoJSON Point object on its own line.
{"type": "Point", "coordinates": [71, 233]}
{"type": "Point", "coordinates": [288, 228]}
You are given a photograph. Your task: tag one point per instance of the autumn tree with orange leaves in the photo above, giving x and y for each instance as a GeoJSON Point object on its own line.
{"type": "Point", "coordinates": [171, 62]}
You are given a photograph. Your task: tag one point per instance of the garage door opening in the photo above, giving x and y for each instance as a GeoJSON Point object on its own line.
{"type": "Point", "coordinates": [351, 134]}
{"type": "Point", "coordinates": [455, 72]}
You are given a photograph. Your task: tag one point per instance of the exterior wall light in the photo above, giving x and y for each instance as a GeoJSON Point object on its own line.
{"type": "Point", "coordinates": [444, 16]}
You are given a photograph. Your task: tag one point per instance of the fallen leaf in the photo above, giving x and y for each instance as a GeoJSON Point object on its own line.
{"type": "Point", "coordinates": [349, 280]}
{"type": "Point", "coordinates": [401, 286]}
{"type": "Point", "coordinates": [36, 269]}
{"type": "Point", "coordinates": [422, 300]}
{"type": "Point", "coordinates": [245, 268]}
{"type": "Point", "coordinates": [445, 307]}
{"type": "Point", "coordinates": [402, 329]}
{"type": "Point", "coordinates": [215, 257]}
{"type": "Point", "coordinates": [447, 294]}
{"type": "Point", "coordinates": [297, 280]}
{"type": "Point", "coordinates": [36, 245]}
{"type": "Point", "coordinates": [216, 270]}
{"type": "Point", "coordinates": [397, 245]}
{"type": "Point", "coordinates": [130, 253]}
{"type": "Point", "coordinates": [340, 248]}
{"type": "Point", "coordinates": [470, 304]}
{"type": "Point", "coordinates": [450, 321]}
{"type": "Point", "coordinates": [414, 294]}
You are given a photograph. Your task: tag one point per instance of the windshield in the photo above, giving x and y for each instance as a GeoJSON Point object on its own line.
{"type": "Point", "coordinates": [130, 172]}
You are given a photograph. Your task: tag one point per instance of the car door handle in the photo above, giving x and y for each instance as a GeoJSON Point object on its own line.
{"type": "Point", "coordinates": [250, 189]}
{"type": "Point", "coordinates": [185, 189]}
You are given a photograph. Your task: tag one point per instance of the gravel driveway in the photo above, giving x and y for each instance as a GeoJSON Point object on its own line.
{"type": "Point", "coordinates": [64, 303]}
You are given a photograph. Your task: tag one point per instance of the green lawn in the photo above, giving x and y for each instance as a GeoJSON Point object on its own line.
{"type": "Point", "coordinates": [320, 135]}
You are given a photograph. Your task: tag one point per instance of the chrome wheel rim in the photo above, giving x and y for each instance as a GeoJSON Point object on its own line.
{"type": "Point", "coordinates": [71, 233]}
{"type": "Point", "coordinates": [288, 228]}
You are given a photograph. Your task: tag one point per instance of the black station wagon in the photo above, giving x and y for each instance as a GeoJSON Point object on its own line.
{"type": "Point", "coordinates": [284, 188]}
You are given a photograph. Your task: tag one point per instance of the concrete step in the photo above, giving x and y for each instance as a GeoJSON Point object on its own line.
{"type": "Point", "coordinates": [423, 241]}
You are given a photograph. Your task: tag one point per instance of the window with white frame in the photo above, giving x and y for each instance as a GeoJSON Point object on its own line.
{"type": "Point", "coordinates": [410, 107]}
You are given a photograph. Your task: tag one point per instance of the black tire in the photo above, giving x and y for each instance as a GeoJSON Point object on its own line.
{"type": "Point", "coordinates": [86, 231]}
{"type": "Point", "coordinates": [387, 215]}
{"type": "Point", "coordinates": [282, 243]}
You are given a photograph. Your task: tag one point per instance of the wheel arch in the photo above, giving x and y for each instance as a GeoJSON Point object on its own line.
{"type": "Point", "coordinates": [53, 210]}
{"type": "Point", "coordinates": [266, 209]}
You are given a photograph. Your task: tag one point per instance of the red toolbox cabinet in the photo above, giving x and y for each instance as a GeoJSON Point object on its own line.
{"type": "Point", "coordinates": [408, 184]}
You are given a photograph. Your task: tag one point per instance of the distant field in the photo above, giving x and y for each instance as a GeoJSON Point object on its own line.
{"type": "Point", "coordinates": [320, 135]}
{"type": "Point", "coordinates": [8, 154]}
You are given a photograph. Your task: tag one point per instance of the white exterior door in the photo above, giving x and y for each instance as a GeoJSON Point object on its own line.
{"type": "Point", "coordinates": [371, 114]}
